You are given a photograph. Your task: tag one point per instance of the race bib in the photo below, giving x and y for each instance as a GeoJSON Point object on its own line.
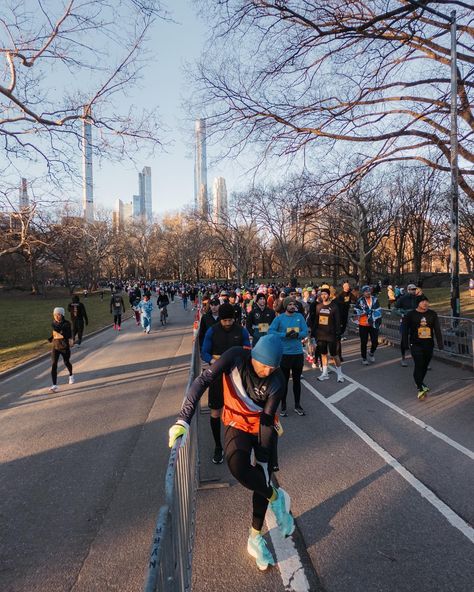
{"type": "Point", "coordinates": [347, 298]}
{"type": "Point", "coordinates": [424, 332]}
{"type": "Point", "coordinates": [215, 357]}
{"type": "Point", "coordinates": [290, 329]}
{"type": "Point", "coordinates": [263, 327]}
{"type": "Point", "coordinates": [323, 320]}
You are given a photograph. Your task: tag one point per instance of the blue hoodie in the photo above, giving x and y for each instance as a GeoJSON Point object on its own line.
{"type": "Point", "coordinates": [284, 323]}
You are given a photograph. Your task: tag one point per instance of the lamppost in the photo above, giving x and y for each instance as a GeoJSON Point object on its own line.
{"type": "Point", "coordinates": [454, 243]}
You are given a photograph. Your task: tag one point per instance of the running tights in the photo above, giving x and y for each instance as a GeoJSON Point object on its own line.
{"type": "Point", "coordinates": [238, 446]}
{"type": "Point", "coordinates": [118, 320]}
{"type": "Point", "coordinates": [292, 364]}
{"type": "Point", "coordinates": [421, 358]}
{"type": "Point", "coordinates": [364, 333]}
{"type": "Point", "coordinates": [55, 357]}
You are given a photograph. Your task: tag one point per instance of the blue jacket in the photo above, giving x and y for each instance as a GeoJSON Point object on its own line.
{"type": "Point", "coordinates": [146, 308]}
{"type": "Point", "coordinates": [373, 312]}
{"type": "Point", "coordinates": [284, 323]}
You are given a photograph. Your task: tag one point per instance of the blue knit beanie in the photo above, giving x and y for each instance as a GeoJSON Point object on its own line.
{"type": "Point", "coordinates": [268, 350]}
{"type": "Point", "coordinates": [365, 289]}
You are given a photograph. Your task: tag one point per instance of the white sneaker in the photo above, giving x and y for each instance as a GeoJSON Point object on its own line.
{"type": "Point", "coordinates": [53, 388]}
{"type": "Point", "coordinates": [324, 376]}
{"type": "Point", "coordinates": [371, 357]}
{"type": "Point", "coordinates": [313, 365]}
{"type": "Point", "coordinates": [340, 378]}
{"type": "Point", "coordinates": [72, 380]}
{"type": "Point", "coordinates": [365, 362]}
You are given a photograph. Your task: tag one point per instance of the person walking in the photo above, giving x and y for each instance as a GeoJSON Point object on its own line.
{"type": "Point", "coordinates": [117, 306]}
{"type": "Point", "coordinates": [253, 389]}
{"type": "Point", "coordinates": [61, 339]}
{"type": "Point", "coordinates": [326, 330]}
{"type": "Point", "coordinates": [218, 339]}
{"type": "Point", "coordinates": [291, 327]}
{"type": "Point", "coordinates": [403, 305]}
{"type": "Point", "coordinates": [211, 317]}
{"type": "Point", "coordinates": [419, 328]}
{"type": "Point", "coordinates": [259, 319]}
{"type": "Point", "coordinates": [146, 308]}
{"type": "Point", "coordinates": [78, 313]}
{"type": "Point", "coordinates": [369, 316]}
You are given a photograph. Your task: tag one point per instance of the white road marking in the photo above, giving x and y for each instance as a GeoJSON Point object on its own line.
{"type": "Point", "coordinates": [469, 453]}
{"type": "Point", "coordinates": [347, 390]}
{"type": "Point", "coordinates": [289, 562]}
{"type": "Point", "coordinates": [442, 508]}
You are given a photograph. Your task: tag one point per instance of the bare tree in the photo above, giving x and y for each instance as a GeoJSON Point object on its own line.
{"type": "Point", "coordinates": [327, 78]}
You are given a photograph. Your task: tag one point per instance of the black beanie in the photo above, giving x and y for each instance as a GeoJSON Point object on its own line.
{"type": "Point", "coordinates": [226, 311]}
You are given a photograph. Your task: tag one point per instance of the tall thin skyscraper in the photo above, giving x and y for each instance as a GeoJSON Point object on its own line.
{"type": "Point", "coordinates": [219, 214]}
{"type": "Point", "coordinates": [87, 182]}
{"type": "Point", "coordinates": [201, 201]}
{"type": "Point", "coordinates": [24, 201]}
{"type": "Point", "coordinates": [144, 184]}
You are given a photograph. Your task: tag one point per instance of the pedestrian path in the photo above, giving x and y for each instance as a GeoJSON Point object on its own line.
{"type": "Point", "coordinates": [381, 487]}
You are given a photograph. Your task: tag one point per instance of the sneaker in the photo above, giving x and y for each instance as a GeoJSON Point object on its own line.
{"type": "Point", "coordinates": [425, 388]}
{"type": "Point", "coordinates": [314, 366]}
{"type": "Point", "coordinates": [72, 380]}
{"type": "Point", "coordinates": [343, 338]}
{"type": "Point", "coordinates": [404, 363]}
{"type": "Point", "coordinates": [281, 509]}
{"type": "Point", "coordinates": [364, 362]}
{"type": "Point", "coordinates": [118, 327]}
{"type": "Point", "coordinates": [299, 411]}
{"type": "Point", "coordinates": [53, 388]}
{"type": "Point", "coordinates": [371, 357]}
{"type": "Point", "coordinates": [218, 457]}
{"type": "Point", "coordinates": [115, 326]}
{"type": "Point", "coordinates": [257, 547]}
{"type": "Point", "coordinates": [421, 395]}
{"type": "Point", "coordinates": [340, 378]}
{"type": "Point", "coordinates": [429, 368]}
{"type": "Point", "coordinates": [324, 376]}
{"type": "Point", "coordinates": [283, 412]}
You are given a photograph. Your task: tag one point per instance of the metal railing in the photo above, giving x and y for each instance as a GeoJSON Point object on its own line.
{"type": "Point", "coordinates": [169, 568]}
{"type": "Point", "coordinates": [458, 335]}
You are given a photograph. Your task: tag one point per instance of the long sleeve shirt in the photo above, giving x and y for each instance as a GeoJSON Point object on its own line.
{"type": "Point", "coordinates": [282, 326]}
{"type": "Point", "coordinates": [420, 328]}
{"type": "Point", "coordinates": [250, 402]}
{"type": "Point", "coordinates": [327, 322]}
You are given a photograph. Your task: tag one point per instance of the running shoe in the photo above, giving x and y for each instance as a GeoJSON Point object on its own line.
{"type": "Point", "coordinates": [281, 509]}
{"type": "Point", "coordinates": [364, 362]}
{"type": "Point", "coordinates": [283, 412]}
{"type": "Point", "coordinates": [340, 378]}
{"type": "Point", "coordinates": [257, 547]}
{"type": "Point", "coordinates": [313, 365]}
{"type": "Point", "coordinates": [53, 388]}
{"type": "Point", "coordinates": [425, 388]}
{"type": "Point", "coordinates": [404, 363]}
{"type": "Point", "coordinates": [421, 395]}
{"type": "Point", "coordinates": [218, 457]}
{"type": "Point", "coordinates": [371, 357]}
{"type": "Point", "coordinates": [299, 411]}
{"type": "Point", "coordinates": [115, 326]}
{"type": "Point", "coordinates": [72, 380]}
{"type": "Point", "coordinates": [429, 368]}
{"type": "Point", "coordinates": [324, 376]}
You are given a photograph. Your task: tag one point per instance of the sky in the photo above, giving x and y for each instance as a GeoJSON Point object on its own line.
{"type": "Point", "coordinates": [164, 84]}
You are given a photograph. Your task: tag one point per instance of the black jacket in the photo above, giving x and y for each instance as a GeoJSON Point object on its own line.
{"type": "Point", "coordinates": [78, 312]}
{"type": "Point", "coordinates": [207, 321]}
{"type": "Point", "coordinates": [64, 329]}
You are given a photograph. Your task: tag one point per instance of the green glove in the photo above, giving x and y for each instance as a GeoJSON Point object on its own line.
{"type": "Point", "coordinates": [176, 431]}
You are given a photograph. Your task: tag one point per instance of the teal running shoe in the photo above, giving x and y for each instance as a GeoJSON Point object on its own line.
{"type": "Point", "coordinates": [257, 547]}
{"type": "Point", "coordinates": [281, 509]}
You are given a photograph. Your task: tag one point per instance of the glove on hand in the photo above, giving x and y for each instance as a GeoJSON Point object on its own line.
{"type": "Point", "coordinates": [176, 431]}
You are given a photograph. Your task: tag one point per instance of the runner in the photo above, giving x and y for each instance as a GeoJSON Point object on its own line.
{"type": "Point", "coordinates": [211, 317]}
{"type": "Point", "coordinates": [61, 338]}
{"type": "Point", "coordinates": [253, 389]}
{"type": "Point", "coordinates": [418, 330]}
{"type": "Point", "coordinates": [369, 315]}
{"type": "Point", "coordinates": [326, 329]}
{"type": "Point", "coordinates": [218, 339]}
{"type": "Point", "coordinates": [117, 305]}
{"type": "Point", "coordinates": [403, 305]}
{"type": "Point", "coordinates": [146, 308]}
{"type": "Point", "coordinates": [78, 317]}
{"type": "Point", "coordinates": [291, 327]}
{"type": "Point", "coordinates": [259, 319]}
{"type": "Point", "coordinates": [163, 302]}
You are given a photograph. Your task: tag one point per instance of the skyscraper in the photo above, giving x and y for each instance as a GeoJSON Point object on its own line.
{"type": "Point", "coordinates": [87, 183]}
{"type": "Point", "coordinates": [144, 184]}
{"type": "Point", "coordinates": [137, 207]}
{"type": "Point", "coordinates": [201, 202]}
{"type": "Point", "coordinates": [24, 201]}
{"type": "Point", "coordinates": [219, 214]}
{"type": "Point", "coordinates": [122, 214]}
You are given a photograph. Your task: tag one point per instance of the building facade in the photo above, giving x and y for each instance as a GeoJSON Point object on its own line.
{"type": "Point", "coordinates": [220, 208]}
{"type": "Point", "coordinates": [87, 181]}
{"type": "Point", "coordinates": [201, 200]}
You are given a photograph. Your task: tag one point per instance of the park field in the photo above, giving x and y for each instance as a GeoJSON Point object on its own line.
{"type": "Point", "coordinates": [25, 322]}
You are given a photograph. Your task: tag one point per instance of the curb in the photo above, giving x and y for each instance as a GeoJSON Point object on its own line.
{"type": "Point", "coordinates": [37, 359]}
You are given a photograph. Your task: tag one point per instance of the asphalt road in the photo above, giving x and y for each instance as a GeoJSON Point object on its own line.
{"type": "Point", "coordinates": [362, 524]}
{"type": "Point", "coordinates": [82, 470]}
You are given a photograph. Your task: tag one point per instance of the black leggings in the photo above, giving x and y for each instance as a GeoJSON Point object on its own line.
{"type": "Point", "coordinates": [78, 329]}
{"type": "Point", "coordinates": [237, 446]}
{"type": "Point", "coordinates": [421, 358]}
{"type": "Point", "coordinates": [117, 319]}
{"type": "Point", "coordinates": [66, 354]}
{"type": "Point", "coordinates": [364, 333]}
{"type": "Point", "coordinates": [292, 363]}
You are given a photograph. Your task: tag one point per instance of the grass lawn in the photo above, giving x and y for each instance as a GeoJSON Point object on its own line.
{"type": "Point", "coordinates": [440, 301]}
{"type": "Point", "coordinates": [25, 322]}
